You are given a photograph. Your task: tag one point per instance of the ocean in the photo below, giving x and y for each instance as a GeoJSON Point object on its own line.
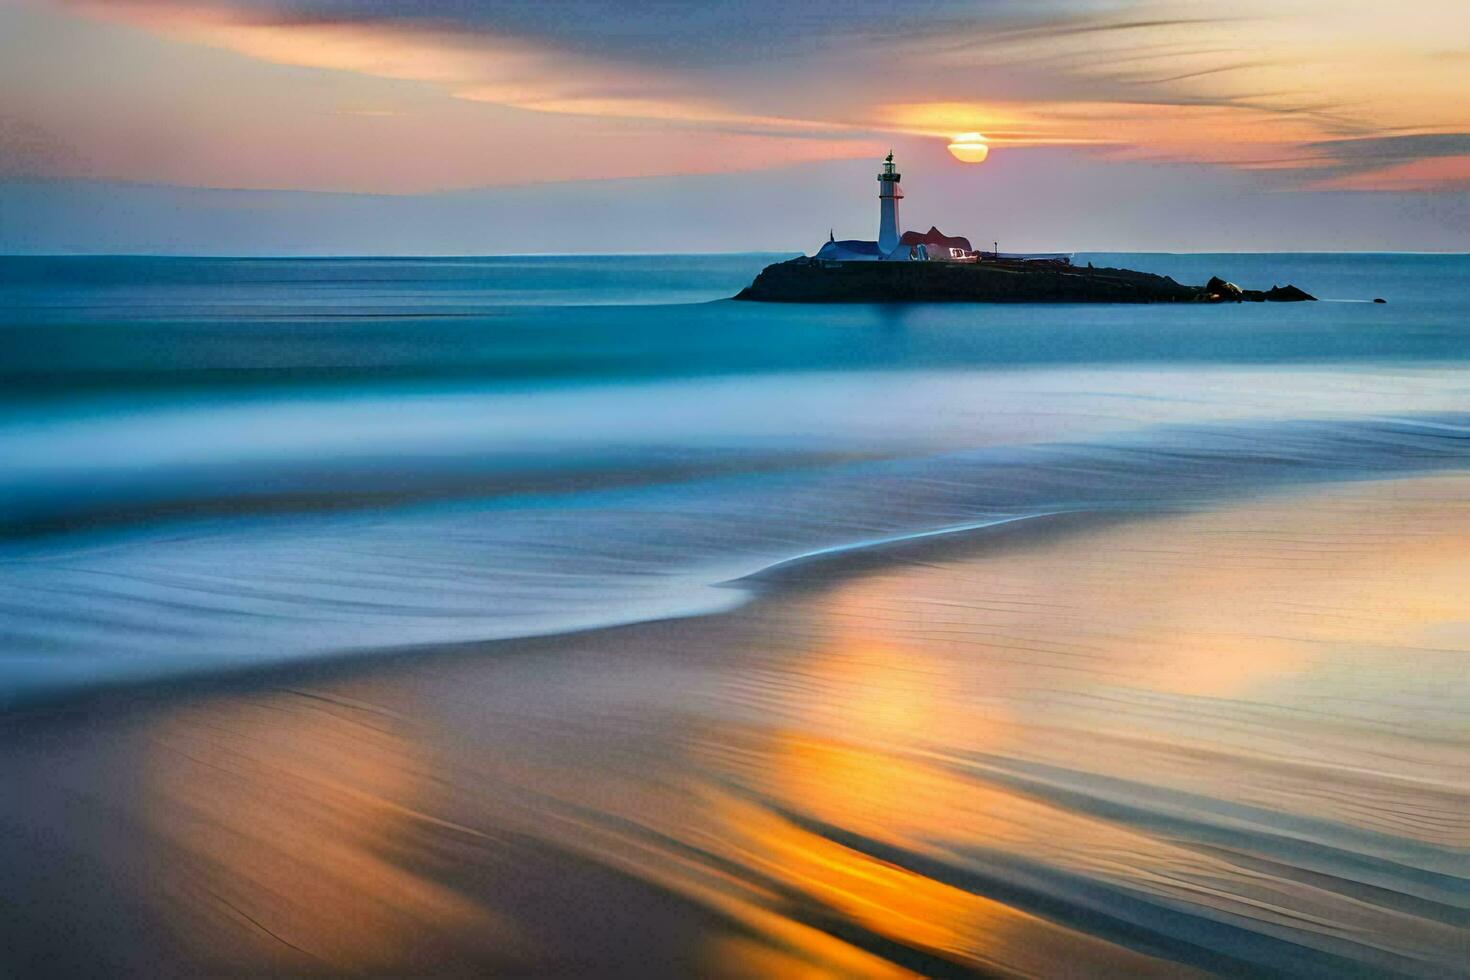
{"type": "Point", "coordinates": [211, 463]}
{"type": "Point", "coordinates": [222, 467]}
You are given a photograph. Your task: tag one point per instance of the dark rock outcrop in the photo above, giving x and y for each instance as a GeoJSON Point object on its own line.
{"type": "Point", "coordinates": [1224, 292]}
{"type": "Point", "coordinates": [807, 280]}
{"type": "Point", "coordinates": [1276, 294]}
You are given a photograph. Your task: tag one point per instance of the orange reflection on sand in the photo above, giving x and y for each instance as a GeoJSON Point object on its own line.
{"type": "Point", "coordinates": [290, 819]}
{"type": "Point", "coordinates": [850, 775]}
{"type": "Point", "coordinates": [1176, 652]}
{"type": "Point", "coordinates": [867, 703]}
{"type": "Point", "coordinates": [818, 879]}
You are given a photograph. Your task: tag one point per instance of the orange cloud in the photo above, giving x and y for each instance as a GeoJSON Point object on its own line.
{"type": "Point", "coordinates": [1261, 87]}
{"type": "Point", "coordinates": [1433, 174]}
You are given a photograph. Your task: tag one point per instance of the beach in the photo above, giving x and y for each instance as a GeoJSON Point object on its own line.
{"type": "Point", "coordinates": [1112, 746]}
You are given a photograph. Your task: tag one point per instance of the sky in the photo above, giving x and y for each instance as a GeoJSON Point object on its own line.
{"type": "Point", "coordinates": [374, 126]}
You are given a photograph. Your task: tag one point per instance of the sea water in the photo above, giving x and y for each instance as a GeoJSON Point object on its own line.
{"type": "Point", "coordinates": [218, 464]}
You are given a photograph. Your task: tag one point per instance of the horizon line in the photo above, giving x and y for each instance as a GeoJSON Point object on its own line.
{"type": "Point", "coordinates": [386, 256]}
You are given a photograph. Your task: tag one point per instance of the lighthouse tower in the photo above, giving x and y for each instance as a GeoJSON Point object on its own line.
{"type": "Point", "coordinates": [889, 194]}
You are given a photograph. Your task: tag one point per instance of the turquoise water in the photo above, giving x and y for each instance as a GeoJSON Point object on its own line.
{"type": "Point", "coordinates": [213, 464]}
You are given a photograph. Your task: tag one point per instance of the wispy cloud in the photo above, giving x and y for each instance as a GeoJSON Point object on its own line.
{"type": "Point", "coordinates": [1414, 162]}
{"type": "Point", "coordinates": [1282, 85]}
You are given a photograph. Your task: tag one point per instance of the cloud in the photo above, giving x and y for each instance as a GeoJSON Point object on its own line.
{"type": "Point", "coordinates": [1380, 150]}
{"type": "Point", "coordinates": [1273, 84]}
{"type": "Point", "coordinates": [1436, 174]}
{"type": "Point", "coordinates": [1415, 162]}
{"type": "Point", "coordinates": [688, 33]}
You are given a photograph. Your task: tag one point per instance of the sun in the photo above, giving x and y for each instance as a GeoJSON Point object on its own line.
{"type": "Point", "coordinates": [969, 148]}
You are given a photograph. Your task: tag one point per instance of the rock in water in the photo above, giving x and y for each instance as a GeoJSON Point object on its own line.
{"type": "Point", "coordinates": [808, 280]}
{"type": "Point", "coordinates": [1219, 289]}
{"type": "Point", "coordinates": [1288, 294]}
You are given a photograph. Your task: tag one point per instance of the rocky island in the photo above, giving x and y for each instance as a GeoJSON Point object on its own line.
{"type": "Point", "coordinates": [918, 267]}
{"type": "Point", "coordinates": [1000, 280]}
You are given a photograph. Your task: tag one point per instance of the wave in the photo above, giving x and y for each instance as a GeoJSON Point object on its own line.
{"type": "Point", "coordinates": [191, 596]}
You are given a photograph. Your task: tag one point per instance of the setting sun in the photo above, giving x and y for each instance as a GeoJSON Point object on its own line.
{"type": "Point", "coordinates": [969, 148]}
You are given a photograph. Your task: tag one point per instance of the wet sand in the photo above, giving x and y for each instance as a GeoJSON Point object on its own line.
{"type": "Point", "coordinates": [1229, 741]}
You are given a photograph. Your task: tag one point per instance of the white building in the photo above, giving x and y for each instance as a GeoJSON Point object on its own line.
{"type": "Point", "coordinates": [912, 246]}
{"type": "Point", "coordinates": [891, 246]}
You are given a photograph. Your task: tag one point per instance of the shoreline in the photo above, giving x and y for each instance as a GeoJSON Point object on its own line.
{"type": "Point", "coordinates": [787, 578]}
{"type": "Point", "coordinates": [779, 580]}
{"type": "Point", "coordinates": [978, 753]}
{"type": "Point", "coordinates": [772, 583]}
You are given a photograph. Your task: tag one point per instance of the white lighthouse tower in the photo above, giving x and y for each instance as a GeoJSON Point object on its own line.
{"type": "Point", "coordinates": [889, 194]}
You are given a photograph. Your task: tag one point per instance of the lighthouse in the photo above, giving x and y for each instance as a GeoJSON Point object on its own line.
{"type": "Point", "coordinates": [894, 245]}
{"type": "Point", "coordinates": [889, 194]}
